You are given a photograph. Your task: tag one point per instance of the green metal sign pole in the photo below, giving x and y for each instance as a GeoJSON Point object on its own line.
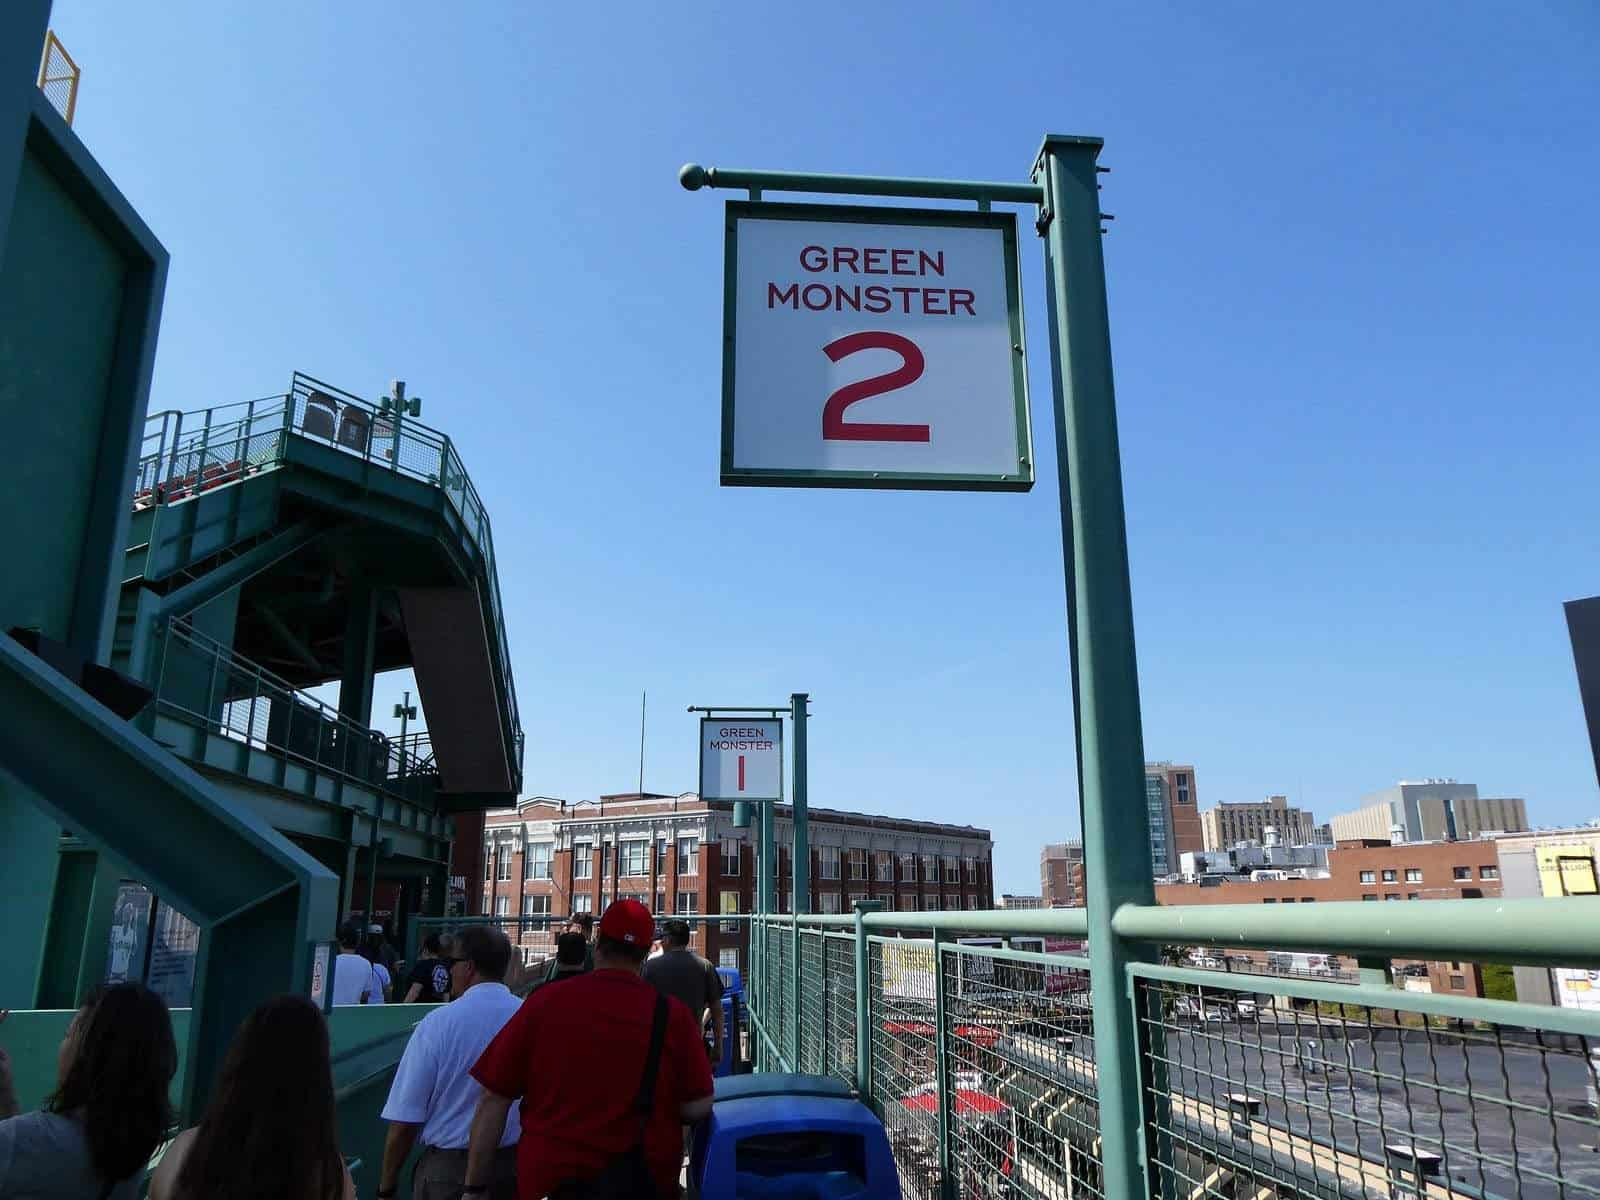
{"type": "Point", "coordinates": [1116, 833]}
{"type": "Point", "coordinates": [1110, 740]}
{"type": "Point", "coordinates": [802, 824]}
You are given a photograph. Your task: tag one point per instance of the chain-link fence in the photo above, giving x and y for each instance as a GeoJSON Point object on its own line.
{"type": "Point", "coordinates": [1306, 1093]}
{"type": "Point", "coordinates": [982, 1065]}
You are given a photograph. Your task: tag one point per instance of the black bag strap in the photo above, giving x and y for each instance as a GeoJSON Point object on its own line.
{"type": "Point", "coordinates": [645, 1102]}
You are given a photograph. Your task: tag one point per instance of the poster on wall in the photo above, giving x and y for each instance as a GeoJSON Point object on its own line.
{"type": "Point", "coordinates": [173, 949]}
{"type": "Point", "coordinates": [130, 933]}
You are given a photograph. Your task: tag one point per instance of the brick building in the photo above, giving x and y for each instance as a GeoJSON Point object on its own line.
{"type": "Point", "coordinates": [1061, 875]}
{"type": "Point", "coordinates": [1374, 871]}
{"type": "Point", "coordinates": [1173, 800]}
{"type": "Point", "coordinates": [682, 855]}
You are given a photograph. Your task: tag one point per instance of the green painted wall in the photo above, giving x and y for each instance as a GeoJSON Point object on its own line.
{"type": "Point", "coordinates": [27, 879]}
{"type": "Point", "coordinates": [61, 302]}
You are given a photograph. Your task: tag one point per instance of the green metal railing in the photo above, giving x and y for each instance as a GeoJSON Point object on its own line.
{"type": "Point", "coordinates": [184, 454]}
{"type": "Point", "coordinates": [980, 1054]}
{"type": "Point", "coordinates": [200, 681]}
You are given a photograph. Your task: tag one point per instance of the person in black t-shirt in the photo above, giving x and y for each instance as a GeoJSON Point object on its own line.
{"type": "Point", "coordinates": [430, 977]}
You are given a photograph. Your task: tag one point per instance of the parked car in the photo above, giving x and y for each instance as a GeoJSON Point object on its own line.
{"type": "Point", "coordinates": [1247, 1009]}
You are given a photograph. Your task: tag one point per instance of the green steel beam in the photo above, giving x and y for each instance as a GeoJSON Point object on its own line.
{"type": "Point", "coordinates": [259, 899]}
{"type": "Point", "coordinates": [360, 647]}
{"type": "Point", "coordinates": [1105, 677]}
{"type": "Point", "coordinates": [694, 177]}
{"type": "Point", "coordinates": [153, 610]}
{"type": "Point", "coordinates": [1557, 932]}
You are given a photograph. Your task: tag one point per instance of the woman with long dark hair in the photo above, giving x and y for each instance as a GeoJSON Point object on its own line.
{"type": "Point", "coordinates": [109, 1111]}
{"type": "Point", "coordinates": [269, 1132]}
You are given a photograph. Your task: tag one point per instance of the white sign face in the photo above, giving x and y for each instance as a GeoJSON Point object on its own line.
{"type": "Point", "coordinates": [741, 759]}
{"type": "Point", "coordinates": [874, 348]}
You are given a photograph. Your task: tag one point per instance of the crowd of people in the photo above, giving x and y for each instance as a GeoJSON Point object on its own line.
{"type": "Point", "coordinates": [580, 1091]}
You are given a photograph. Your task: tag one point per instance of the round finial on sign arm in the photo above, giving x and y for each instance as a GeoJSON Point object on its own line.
{"type": "Point", "coordinates": [692, 176]}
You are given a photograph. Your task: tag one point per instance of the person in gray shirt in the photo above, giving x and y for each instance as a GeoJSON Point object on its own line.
{"type": "Point", "coordinates": [678, 971]}
{"type": "Point", "coordinates": [109, 1112]}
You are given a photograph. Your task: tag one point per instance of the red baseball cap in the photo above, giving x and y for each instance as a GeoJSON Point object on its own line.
{"type": "Point", "coordinates": [629, 922]}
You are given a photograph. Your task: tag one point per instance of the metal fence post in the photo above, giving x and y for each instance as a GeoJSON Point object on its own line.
{"type": "Point", "coordinates": [822, 999]}
{"type": "Point", "coordinates": [941, 1069]}
{"type": "Point", "coordinates": [1105, 682]}
{"type": "Point", "coordinates": [795, 999]}
{"type": "Point", "coordinates": [863, 1002]}
{"type": "Point", "coordinates": [802, 824]}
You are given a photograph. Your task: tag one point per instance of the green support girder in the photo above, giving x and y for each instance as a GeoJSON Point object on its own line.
{"type": "Point", "coordinates": [154, 610]}
{"type": "Point", "coordinates": [259, 900]}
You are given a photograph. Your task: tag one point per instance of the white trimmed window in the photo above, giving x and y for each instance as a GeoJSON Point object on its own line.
{"type": "Point", "coordinates": [583, 903]}
{"type": "Point", "coordinates": [688, 904]}
{"type": "Point", "coordinates": [688, 856]}
{"type": "Point", "coordinates": [858, 864]}
{"type": "Point", "coordinates": [536, 861]}
{"type": "Point", "coordinates": [883, 866]}
{"type": "Point", "coordinates": [827, 902]}
{"type": "Point", "coordinates": [502, 906]}
{"type": "Point", "coordinates": [972, 870]}
{"type": "Point", "coordinates": [908, 868]}
{"type": "Point", "coordinates": [536, 906]}
{"type": "Point", "coordinates": [908, 904]}
{"type": "Point", "coordinates": [730, 856]}
{"type": "Point", "coordinates": [952, 870]}
{"type": "Point", "coordinates": [930, 868]}
{"type": "Point", "coordinates": [931, 904]}
{"type": "Point", "coordinates": [728, 958]}
{"type": "Point", "coordinates": [730, 904]}
{"type": "Point", "coordinates": [583, 860]}
{"type": "Point", "coordinates": [828, 860]}
{"type": "Point", "coordinates": [635, 859]}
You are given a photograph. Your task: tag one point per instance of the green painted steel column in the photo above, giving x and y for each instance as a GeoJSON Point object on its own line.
{"type": "Point", "coordinates": [794, 990]}
{"type": "Point", "coordinates": [802, 824]}
{"type": "Point", "coordinates": [358, 669]}
{"type": "Point", "coordinates": [941, 1069]}
{"type": "Point", "coordinates": [864, 1003]}
{"type": "Point", "coordinates": [1110, 742]}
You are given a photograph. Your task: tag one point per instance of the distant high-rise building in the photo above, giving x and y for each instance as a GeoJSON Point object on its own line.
{"type": "Point", "coordinates": [1061, 875]}
{"type": "Point", "coordinates": [1229, 824]}
{"type": "Point", "coordinates": [1172, 799]}
{"type": "Point", "coordinates": [1430, 810]}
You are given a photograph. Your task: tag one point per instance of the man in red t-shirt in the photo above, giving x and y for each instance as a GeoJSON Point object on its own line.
{"type": "Point", "coordinates": [574, 1055]}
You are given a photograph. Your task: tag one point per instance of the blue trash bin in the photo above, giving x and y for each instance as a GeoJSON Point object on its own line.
{"type": "Point", "coordinates": [791, 1137]}
{"type": "Point", "coordinates": [733, 1021]}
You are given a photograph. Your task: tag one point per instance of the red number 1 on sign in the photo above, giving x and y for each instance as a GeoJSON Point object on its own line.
{"type": "Point", "coordinates": [741, 772]}
{"type": "Point", "coordinates": [834, 427]}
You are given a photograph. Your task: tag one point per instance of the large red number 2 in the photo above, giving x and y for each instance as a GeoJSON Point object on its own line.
{"type": "Point", "coordinates": [834, 426]}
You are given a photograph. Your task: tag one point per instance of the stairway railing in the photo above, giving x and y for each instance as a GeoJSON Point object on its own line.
{"type": "Point", "coordinates": [202, 681]}
{"type": "Point", "coordinates": [184, 454]}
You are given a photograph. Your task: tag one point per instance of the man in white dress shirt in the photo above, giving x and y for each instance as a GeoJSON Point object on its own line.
{"type": "Point", "coordinates": [433, 1096]}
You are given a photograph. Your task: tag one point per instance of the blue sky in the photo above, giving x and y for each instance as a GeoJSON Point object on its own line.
{"type": "Point", "coordinates": [1353, 287]}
